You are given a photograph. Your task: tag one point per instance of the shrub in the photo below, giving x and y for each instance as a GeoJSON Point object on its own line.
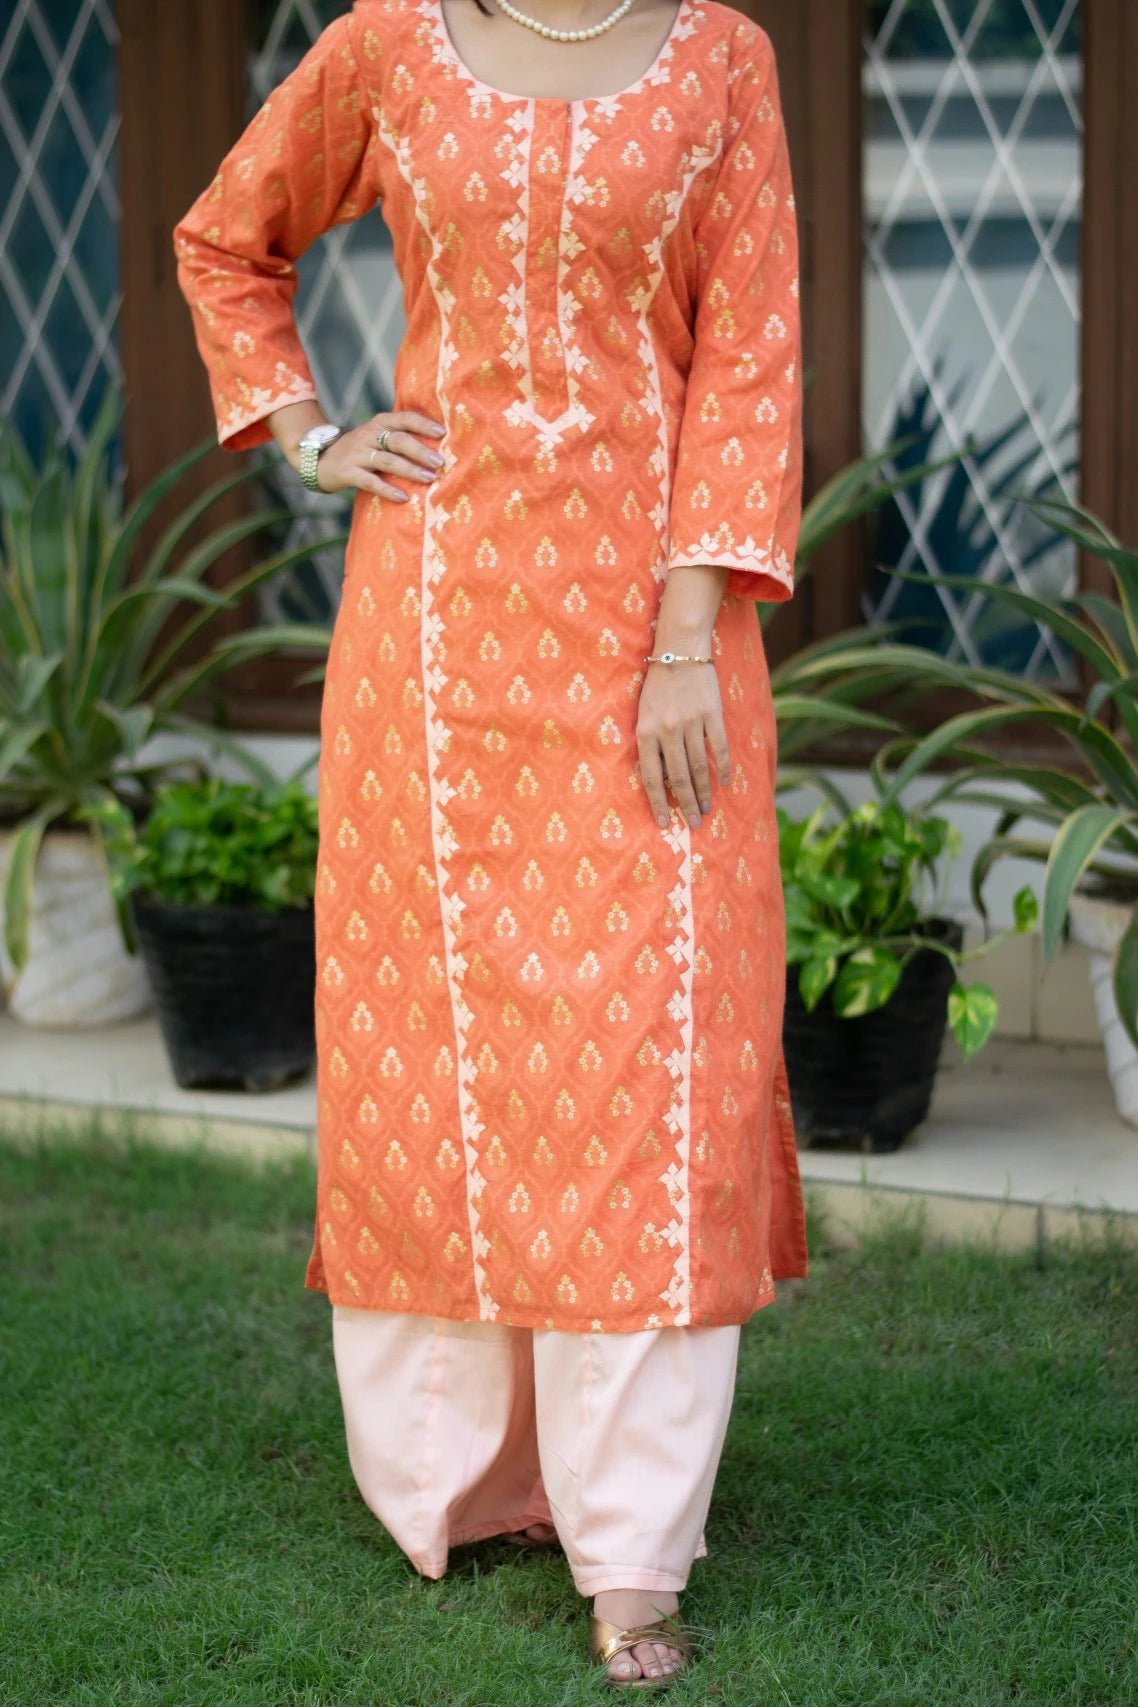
{"type": "Point", "coordinates": [218, 844]}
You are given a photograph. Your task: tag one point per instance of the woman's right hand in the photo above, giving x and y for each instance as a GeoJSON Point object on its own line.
{"type": "Point", "coordinates": [355, 459]}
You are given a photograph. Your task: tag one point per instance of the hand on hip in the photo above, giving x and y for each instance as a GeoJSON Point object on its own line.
{"type": "Point", "coordinates": [358, 460]}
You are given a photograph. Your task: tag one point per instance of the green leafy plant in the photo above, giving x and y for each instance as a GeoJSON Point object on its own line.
{"type": "Point", "coordinates": [823, 687]}
{"type": "Point", "coordinates": [960, 532]}
{"type": "Point", "coordinates": [861, 897]}
{"type": "Point", "coordinates": [1089, 812]}
{"type": "Point", "coordinates": [216, 844]}
{"type": "Point", "coordinates": [836, 684]}
{"type": "Point", "coordinates": [101, 638]}
{"type": "Point", "coordinates": [863, 486]}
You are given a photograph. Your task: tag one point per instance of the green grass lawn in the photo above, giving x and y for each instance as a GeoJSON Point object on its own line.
{"type": "Point", "coordinates": [928, 1496]}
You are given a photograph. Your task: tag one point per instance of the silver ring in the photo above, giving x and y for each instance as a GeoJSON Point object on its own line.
{"type": "Point", "coordinates": [381, 441]}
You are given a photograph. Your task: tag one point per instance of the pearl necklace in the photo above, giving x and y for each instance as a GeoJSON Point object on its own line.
{"type": "Point", "coordinates": [565, 35]}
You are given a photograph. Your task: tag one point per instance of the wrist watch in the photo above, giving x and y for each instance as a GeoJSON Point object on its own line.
{"type": "Point", "coordinates": [315, 440]}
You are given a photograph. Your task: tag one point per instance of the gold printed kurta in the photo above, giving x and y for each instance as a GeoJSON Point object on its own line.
{"type": "Point", "coordinates": [550, 1081]}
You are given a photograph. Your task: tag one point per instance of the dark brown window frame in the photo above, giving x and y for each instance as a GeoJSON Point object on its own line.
{"type": "Point", "coordinates": [176, 127]}
{"type": "Point", "coordinates": [1110, 273]}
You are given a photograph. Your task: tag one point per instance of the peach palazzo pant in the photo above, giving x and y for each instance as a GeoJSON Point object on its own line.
{"type": "Point", "coordinates": [457, 1431]}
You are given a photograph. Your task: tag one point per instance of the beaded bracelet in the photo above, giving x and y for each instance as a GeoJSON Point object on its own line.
{"type": "Point", "coordinates": [673, 658]}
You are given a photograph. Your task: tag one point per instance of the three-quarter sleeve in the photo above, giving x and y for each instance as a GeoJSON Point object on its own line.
{"type": "Point", "coordinates": [306, 162]}
{"type": "Point", "coordinates": [737, 488]}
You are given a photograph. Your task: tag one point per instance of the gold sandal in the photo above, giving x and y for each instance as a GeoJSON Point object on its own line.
{"type": "Point", "coordinates": [606, 1641]}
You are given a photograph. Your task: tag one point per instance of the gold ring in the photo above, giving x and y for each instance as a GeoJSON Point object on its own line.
{"type": "Point", "coordinates": [371, 459]}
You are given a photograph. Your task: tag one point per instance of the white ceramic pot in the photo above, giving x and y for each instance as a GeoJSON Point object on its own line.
{"type": "Point", "coordinates": [78, 974]}
{"type": "Point", "coordinates": [1099, 925]}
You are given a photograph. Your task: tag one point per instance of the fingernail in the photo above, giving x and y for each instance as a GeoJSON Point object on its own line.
{"type": "Point", "coordinates": [437, 430]}
{"type": "Point", "coordinates": [695, 820]}
{"type": "Point", "coordinates": [423, 474]}
{"type": "Point", "coordinates": [705, 806]}
{"type": "Point", "coordinates": [434, 459]}
{"type": "Point", "coordinates": [662, 820]}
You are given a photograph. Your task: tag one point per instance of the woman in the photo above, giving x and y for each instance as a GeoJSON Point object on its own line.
{"type": "Point", "coordinates": [557, 1168]}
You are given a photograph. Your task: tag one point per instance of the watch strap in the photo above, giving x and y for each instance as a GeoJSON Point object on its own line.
{"type": "Point", "coordinates": [309, 457]}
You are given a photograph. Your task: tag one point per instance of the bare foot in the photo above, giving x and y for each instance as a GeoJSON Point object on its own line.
{"type": "Point", "coordinates": [543, 1533]}
{"type": "Point", "coordinates": [628, 1607]}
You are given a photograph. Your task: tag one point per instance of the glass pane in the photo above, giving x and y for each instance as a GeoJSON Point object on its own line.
{"type": "Point", "coordinates": [973, 199]}
{"type": "Point", "coordinates": [59, 215]}
{"type": "Point", "coordinates": [349, 310]}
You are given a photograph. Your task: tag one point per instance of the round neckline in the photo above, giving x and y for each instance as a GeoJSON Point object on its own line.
{"type": "Point", "coordinates": [455, 60]}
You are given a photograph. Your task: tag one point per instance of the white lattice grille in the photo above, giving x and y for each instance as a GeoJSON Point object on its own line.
{"type": "Point", "coordinates": [59, 213]}
{"type": "Point", "coordinates": [973, 186]}
{"type": "Point", "coordinates": [349, 310]}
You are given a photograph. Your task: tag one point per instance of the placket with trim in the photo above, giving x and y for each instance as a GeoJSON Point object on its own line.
{"type": "Point", "coordinates": [549, 172]}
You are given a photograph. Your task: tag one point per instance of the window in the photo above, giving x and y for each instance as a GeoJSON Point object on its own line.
{"type": "Point", "coordinates": [973, 165]}
{"type": "Point", "coordinates": [59, 212]}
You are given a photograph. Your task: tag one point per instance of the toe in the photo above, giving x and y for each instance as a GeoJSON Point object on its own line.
{"type": "Point", "coordinates": [668, 1657]}
{"type": "Point", "coordinates": [624, 1668]}
{"type": "Point", "coordinates": [648, 1658]}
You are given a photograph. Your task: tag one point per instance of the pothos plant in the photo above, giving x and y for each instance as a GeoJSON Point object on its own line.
{"type": "Point", "coordinates": [1087, 808]}
{"type": "Point", "coordinates": [862, 894]}
{"type": "Point", "coordinates": [212, 843]}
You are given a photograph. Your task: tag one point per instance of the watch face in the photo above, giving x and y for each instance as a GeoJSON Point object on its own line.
{"type": "Point", "coordinates": [317, 437]}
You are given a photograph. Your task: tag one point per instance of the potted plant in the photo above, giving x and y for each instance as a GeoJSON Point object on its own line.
{"type": "Point", "coordinates": [218, 882]}
{"type": "Point", "coordinates": [99, 651]}
{"type": "Point", "coordinates": [873, 968]}
{"type": "Point", "coordinates": [1085, 814]}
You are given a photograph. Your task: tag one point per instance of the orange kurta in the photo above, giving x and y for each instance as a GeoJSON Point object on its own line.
{"type": "Point", "coordinates": [551, 1089]}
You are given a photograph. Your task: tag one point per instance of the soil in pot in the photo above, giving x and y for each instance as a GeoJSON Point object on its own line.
{"type": "Point", "coordinates": [869, 1081]}
{"type": "Point", "coordinates": [235, 992]}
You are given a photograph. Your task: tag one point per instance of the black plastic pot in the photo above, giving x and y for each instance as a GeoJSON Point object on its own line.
{"type": "Point", "coordinates": [235, 991]}
{"type": "Point", "coordinates": [870, 1080]}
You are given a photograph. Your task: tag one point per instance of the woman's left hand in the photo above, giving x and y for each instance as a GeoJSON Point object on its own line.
{"type": "Point", "coordinates": [680, 716]}
{"type": "Point", "coordinates": [681, 713]}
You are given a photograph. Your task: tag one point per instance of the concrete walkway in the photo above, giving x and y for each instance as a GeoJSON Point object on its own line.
{"type": "Point", "coordinates": [1023, 1144]}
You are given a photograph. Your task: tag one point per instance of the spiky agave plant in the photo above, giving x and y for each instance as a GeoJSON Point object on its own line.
{"type": "Point", "coordinates": [830, 684]}
{"type": "Point", "coordinates": [961, 533]}
{"type": "Point", "coordinates": [1090, 809]}
{"type": "Point", "coordinates": [90, 667]}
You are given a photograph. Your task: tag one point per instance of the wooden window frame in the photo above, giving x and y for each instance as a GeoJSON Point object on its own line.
{"type": "Point", "coordinates": [175, 129]}
{"type": "Point", "coordinates": [1109, 448]}
{"type": "Point", "coordinates": [818, 47]}
{"type": "Point", "coordinates": [182, 98]}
